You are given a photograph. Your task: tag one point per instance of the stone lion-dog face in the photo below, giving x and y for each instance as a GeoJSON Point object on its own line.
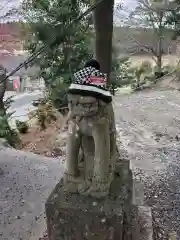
{"type": "Point", "coordinates": [91, 129]}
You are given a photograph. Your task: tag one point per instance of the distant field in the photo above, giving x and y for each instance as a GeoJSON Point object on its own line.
{"type": "Point", "coordinates": [170, 60]}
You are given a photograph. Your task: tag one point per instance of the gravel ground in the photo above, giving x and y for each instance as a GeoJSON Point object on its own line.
{"type": "Point", "coordinates": [148, 124]}
{"type": "Point", "coordinates": [26, 182]}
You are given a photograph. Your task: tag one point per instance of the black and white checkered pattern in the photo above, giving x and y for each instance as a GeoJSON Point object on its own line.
{"type": "Point", "coordinates": [81, 77]}
{"type": "Point", "coordinates": [84, 85]}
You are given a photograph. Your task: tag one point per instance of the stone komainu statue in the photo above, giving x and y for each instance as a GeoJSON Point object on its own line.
{"type": "Point", "coordinates": [91, 143]}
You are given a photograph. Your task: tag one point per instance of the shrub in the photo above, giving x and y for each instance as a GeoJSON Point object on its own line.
{"type": "Point", "coordinates": [146, 66]}
{"type": "Point", "coordinates": [168, 68]}
{"type": "Point", "coordinates": [164, 71]}
{"type": "Point", "coordinates": [122, 73]}
{"type": "Point", "coordinates": [6, 132]}
{"type": "Point", "coordinates": [142, 75]}
{"type": "Point", "coordinates": [58, 94]}
{"type": "Point", "coordinates": [22, 126]}
{"type": "Point", "coordinates": [44, 114]}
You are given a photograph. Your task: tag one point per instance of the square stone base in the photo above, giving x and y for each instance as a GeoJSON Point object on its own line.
{"type": "Point", "coordinates": [75, 217]}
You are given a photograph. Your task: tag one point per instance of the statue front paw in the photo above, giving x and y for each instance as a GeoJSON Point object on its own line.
{"type": "Point", "coordinates": [71, 183]}
{"type": "Point", "coordinates": [99, 194]}
{"type": "Point", "coordinates": [96, 192]}
{"type": "Point", "coordinates": [94, 189]}
{"type": "Point", "coordinates": [72, 178]}
{"type": "Point", "coordinates": [84, 186]}
{"type": "Point", "coordinates": [71, 187]}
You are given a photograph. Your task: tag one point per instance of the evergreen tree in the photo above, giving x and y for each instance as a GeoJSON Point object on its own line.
{"type": "Point", "coordinates": [48, 20]}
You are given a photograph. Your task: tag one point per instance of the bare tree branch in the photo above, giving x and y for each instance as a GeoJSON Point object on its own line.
{"type": "Point", "coordinates": [5, 5]}
{"type": "Point", "coordinates": [151, 16]}
{"type": "Point", "coordinates": [146, 48]}
{"type": "Point", "coordinates": [8, 10]}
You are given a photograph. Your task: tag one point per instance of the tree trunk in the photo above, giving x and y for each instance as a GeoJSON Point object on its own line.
{"type": "Point", "coordinates": [159, 72]}
{"type": "Point", "coordinates": [103, 24]}
{"type": "Point", "coordinates": [159, 45]}
{"type": "Point", "coordinates": [2, 88]}
{"type": "Point", "coordinates": [159, 64]}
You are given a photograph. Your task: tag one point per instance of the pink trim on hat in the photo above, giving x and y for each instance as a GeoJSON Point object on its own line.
{"type": "Point", "coordinates": [100, 81]}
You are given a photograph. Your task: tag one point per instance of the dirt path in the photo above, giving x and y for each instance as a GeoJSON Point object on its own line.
{"type": "Point", "coordinates": [149, 126]}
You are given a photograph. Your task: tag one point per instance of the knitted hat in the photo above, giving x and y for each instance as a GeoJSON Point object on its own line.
{"type": "Point", "coordinates": [92, 63]}
{"type": "Point", "coordinates": [89, 81]}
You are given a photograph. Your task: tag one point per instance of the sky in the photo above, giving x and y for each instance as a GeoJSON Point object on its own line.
{"type": "Point", "coordinates": [6, 5]}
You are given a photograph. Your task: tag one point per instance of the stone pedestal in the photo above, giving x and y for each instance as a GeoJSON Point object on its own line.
{"type": "Point", "coordinates": [75, 217]}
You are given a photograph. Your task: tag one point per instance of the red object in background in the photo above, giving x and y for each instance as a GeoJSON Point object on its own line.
{"type": "Point", "coordinates": [16, 83]}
